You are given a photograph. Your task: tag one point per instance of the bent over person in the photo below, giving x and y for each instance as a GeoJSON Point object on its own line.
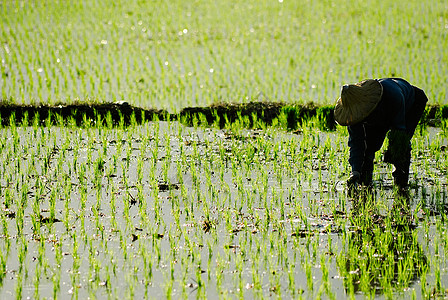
{"type": "Point", "coordinates": [372, 109]}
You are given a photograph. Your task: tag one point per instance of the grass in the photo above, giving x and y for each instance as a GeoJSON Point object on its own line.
{"type": "Point", "coordinates": [189, 198]}
{"type": "Point", "coordinates": [173, 54]}
{"type": "Point", "coordinates": [181, 210]}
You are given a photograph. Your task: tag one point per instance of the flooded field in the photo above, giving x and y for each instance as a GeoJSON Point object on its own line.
{"type": "Point", "coordinates": [171, 197]}
{"type": "Point", "coordinates": [165, 210]}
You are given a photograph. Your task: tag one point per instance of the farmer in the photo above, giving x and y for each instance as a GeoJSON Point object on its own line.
{"type": "Point", "coordinates": [372, 109]}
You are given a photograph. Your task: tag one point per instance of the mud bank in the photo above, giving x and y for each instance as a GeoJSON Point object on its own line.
{"type": "Point", "coordinates": [251, 115]}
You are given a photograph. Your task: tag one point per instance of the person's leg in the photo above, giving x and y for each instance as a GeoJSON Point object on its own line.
{"type": "Point", "coordinates": [401, 172]}
{"type": "Point", "coordinates": [375, 138]}
{"type": "Point", "coordinates": [367, 173]}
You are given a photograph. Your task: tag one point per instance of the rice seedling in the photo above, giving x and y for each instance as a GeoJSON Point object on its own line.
{"type": "Point", "coordinates": [188, 211]}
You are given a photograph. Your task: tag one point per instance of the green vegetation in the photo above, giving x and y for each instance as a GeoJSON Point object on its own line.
{"type": "Point", "coordinates": [175, 54]}
{"type": "Point", "coordinates": [164, 209]}
{"type": "Point", "coordinates": [248, 115]}
{"type": "Point", "coordinates": [222, 175]}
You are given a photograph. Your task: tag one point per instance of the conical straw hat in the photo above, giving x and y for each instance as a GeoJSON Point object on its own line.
{"type": "Point", "coordinates": [357, 101]}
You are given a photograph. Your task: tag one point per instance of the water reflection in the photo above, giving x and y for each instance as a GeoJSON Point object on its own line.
{"type": "Point", "coordinates": [381, 253]}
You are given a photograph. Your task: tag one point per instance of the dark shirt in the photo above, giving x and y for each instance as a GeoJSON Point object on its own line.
{"type": "Point", "coordinates": [397, 99]}
{"type": "Point", "coordinates": [390, 113]}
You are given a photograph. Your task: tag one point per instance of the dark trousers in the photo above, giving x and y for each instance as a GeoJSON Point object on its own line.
{"type": "Point", "coordinates": [375, 138]}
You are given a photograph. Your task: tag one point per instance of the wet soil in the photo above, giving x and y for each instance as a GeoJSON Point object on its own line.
{"type": "Point", "coordinates": [211, 211]}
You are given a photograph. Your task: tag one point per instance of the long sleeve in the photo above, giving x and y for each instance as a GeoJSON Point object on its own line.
{"type": "Point", "coordinates": [357, 144]}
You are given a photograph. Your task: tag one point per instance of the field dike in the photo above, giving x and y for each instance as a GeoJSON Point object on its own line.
{"type": "Point", "coordinates": [249, 115]}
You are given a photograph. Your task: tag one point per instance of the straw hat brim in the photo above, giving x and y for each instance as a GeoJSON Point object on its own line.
{"type": "Point", "coordinates": [357, 101]}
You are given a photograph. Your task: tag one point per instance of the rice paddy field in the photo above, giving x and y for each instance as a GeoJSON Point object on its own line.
{"type": "Point", "coordinates": [168, 209]}
{"type": "Point", "coordinates": [172, 54]}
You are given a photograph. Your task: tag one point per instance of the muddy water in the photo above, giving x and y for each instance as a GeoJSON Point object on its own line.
{"type": "Point", "coordinates": [162, 209]}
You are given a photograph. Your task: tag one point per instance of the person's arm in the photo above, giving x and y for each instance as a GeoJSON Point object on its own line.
{"type": "Point", "coordinates": [357, 144]}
